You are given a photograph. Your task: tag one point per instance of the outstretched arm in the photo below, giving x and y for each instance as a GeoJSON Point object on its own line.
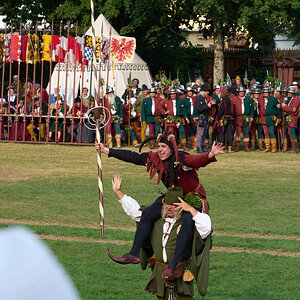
{"type": "Point", "coordinates": [202, 160]}
{"type": "Point", "coordinates": [124, 155]}
{"type": "Point", "coordinates": [130, 206]}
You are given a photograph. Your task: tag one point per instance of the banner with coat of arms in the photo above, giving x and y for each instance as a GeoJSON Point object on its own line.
{"type": "Point", "coordinates": [122, 49]}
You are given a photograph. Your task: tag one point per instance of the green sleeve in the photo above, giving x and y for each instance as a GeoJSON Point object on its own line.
{"type": "Point", "coordinates": [251, 101]}
{"type": "Point", "coordinates": [278, 109]}
{"type": "Point", "coordinates": [184, 108]}
{"type": "Point", "coordinates": [144, 106]}
{"type": "Point", "coordinates": [119, 107]}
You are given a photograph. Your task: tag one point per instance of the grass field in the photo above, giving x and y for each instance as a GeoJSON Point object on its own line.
{"type": "Point", "coordinates": [254, 199]}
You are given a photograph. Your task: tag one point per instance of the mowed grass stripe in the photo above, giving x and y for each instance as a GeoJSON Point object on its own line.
{"type": "Point", "coordinates": [127, 236]}
{"type": "Point", "coordinates": [3, 222]}
{"type": "Point", "coordinates": [214, 249]}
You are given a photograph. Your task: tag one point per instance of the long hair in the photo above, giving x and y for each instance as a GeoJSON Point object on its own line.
{"type": "Point", "coordinates": [164, 214]}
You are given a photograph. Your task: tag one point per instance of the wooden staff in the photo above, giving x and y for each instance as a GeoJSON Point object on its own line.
{"type": "Point", "coordinates": [33, 89]}
{"type": "Point", "coordinates": [100, 57]}
{"type": "Point", "coordinates": [58, 87]}
{"type": "Point", "coordinates": [50, 78]}
{"type": "Point", "coordinates": [9, 85]}
{"type": "Point", "coordinates": [18, 83]}
{"type": "Point", "coordinates": [41, 91]}
{"type": "Point", "coordinates": [26, 86]}
{"type": "Point", "coordinates": [66, 88]}
{"type": "Point", "coordinates": [100, 184]}
{"type": "Point", "coordinates": [2, 90]}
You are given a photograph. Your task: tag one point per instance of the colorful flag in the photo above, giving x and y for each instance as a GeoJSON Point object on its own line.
{"type": "Point", "coordinates": [24, 41]}
{"type": "Point", "coordinates": [87, 53]}
{"type": "Point", "coordinates": [89, 44]}
{"type": "Point", "coordinates": [46, 47]}
{"type": "Point", "coordinates": [33, 54]}
{"type": "Point", "coordinates": [55, 47]}
{"type": "Point", "coordinates": [15, 47]}
{"type": "Point", "coordinates": [122, 48]}
{"type": "Point", "coordinates": [80, 48]}
{"type": "Point", "coordinates": [7, 47]}
{"type": "Point", "coordinates": [105, 50]}
{"type": "Point", "coordinates": [1, 47]}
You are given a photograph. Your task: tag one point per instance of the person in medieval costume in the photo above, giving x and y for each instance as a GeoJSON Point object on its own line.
{"type": "Point", "coordinates": [244, 117]}
{"type": "Point", "coordinates": [174, 110]}
{"type": "Point", "coordinates": [203, 105]}
{"type": "Point", "coordinates": [174, 168]}
{"type": "Point", "coordinates": [225, 118]}
{"type": "Point", "coordinates": [151, 114]}
{"type": "Point", "coordinates": [138, 109]}
{"type": "Point", "coordinates": [270, 114]}
{"type": "Point", "coordinates": [159, 249]}
{"type": "Point", "coordinates": [213, 114]}
{"type": "Point", "coordinates": [114, 105]}
{"type": "Point", "coordinates": [256, 124]}
{"type": "Point", "coordinates": [56, 124]}
{"type": "Point", "coordinates": [192, 126]}
{"type": "Point", "coordinates": [292, 106]}
{"type": "Point", "coordinates": [130, 96]}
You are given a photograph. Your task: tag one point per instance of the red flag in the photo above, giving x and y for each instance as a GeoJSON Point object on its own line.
{"type": "Point", "coordinates": [24, 41]}
{"type": "Point", "coordinates": [15, 47]}
{"type": "Point", "coordinates": [58, 53]}
{"type": "Point", "coordinates": [80, 49]}
{"type": "Point", "coordinates": [71, 49]}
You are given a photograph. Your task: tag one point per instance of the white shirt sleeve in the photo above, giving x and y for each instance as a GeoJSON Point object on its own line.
{"type": "Point", "coordinates": [131, 208]}
{"type": "Point", "coordinates": [203, 224]}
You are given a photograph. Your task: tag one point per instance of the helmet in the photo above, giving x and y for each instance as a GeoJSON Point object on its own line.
{"type": "Point", "coordinates": [109, 90]}
{"type": "Point", "coordinates": [265, 90]}
{"type": "Point", "coordinates": [291, 90]}
{"type": "Point", "coordinates": [189, 89]}
{"type": "Point", "coordinates": [256, 91]}
{"type": "Point", "coordinates": [172, 91]}
{"type": "Point", "coordinates": [241, 89]}
{"type": "Point", "coordinates": [152, 90]}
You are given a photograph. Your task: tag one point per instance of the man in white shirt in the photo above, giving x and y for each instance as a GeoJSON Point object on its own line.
{"type": "Point", "coordinates": [163, 242]}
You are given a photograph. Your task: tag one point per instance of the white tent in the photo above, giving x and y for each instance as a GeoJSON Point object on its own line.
{"type": "Point", "coordinates": [118, 79]}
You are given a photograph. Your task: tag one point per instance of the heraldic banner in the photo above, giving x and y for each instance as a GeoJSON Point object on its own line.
{"type": "Point", "coordinates": [122, 49]}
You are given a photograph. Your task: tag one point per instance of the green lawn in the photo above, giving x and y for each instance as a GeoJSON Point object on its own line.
{"type": "Point", "coordinates": [54, 188]}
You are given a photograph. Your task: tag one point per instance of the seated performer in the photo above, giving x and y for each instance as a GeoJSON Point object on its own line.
{"type": "Point", "coordinates": [174, 169]}
{"type": "Point", "coordinates": [162, 245]}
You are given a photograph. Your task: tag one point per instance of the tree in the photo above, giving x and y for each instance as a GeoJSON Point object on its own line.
{"type": "Point", "coordinates": [26, 10]}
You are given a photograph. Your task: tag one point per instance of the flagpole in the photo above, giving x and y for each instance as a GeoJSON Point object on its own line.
{"type": "Point", "coordinates": [2, 90]}
{"type": "Point", "coordinates": [100, 183]}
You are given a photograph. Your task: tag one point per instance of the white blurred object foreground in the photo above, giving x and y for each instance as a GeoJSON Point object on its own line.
{"type": "Point", "coordinates": [28, 269]}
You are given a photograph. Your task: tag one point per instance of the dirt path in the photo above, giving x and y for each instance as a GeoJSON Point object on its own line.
{"type": "Point", "coordinates": [215, 249]}
{"type": "Point", "coordinates": [132, 229]}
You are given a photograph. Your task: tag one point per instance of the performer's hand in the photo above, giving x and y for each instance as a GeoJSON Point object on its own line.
{"type": "Point", "coordinates": [216, 149]}
{"type": "Point", "coordinates": [101, 147]}
{"type": "Point", "coordinates": [277, 122]}
{"type": "Point", "coordinates": [116, 183]}
{"type": "Point", "coordinates": [187, 121]}
{"type": "Point", "coordinates": [283, 104]}
{"type": "Point", "coordinates": [186, 207]}
{"type": "Point", "coordinates": [116, 186]}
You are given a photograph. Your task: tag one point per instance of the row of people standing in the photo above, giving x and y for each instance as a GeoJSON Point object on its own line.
{"type": "Point", "coordinates": [191, 112]}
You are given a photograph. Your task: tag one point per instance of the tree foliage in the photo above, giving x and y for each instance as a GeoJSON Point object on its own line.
{"type": "Point", "coordinates": [158, 24]}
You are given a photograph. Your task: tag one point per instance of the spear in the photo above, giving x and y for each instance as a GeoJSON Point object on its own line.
{"type": "Point", "coordinates": [100, 184]}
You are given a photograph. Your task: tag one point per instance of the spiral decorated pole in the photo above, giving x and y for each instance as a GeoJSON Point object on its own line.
{"type": "Point", "coordinates": [99, 163]}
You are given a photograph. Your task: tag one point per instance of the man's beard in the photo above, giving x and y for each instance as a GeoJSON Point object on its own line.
{"type": "Point", "coordinates": [111, 98]}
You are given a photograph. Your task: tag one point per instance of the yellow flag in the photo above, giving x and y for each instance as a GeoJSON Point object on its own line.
{"type": "Point", "coordinates": [46, 55]}
{"type": "Point", "coordinates": [32, 55]}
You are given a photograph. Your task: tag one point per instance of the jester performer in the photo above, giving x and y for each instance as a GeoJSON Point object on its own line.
{"type": "Point", "coordinates": [174, 168]}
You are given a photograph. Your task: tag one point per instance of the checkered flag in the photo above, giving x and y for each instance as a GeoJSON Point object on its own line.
{"type": "Point", "coordinates": [87, 53]}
